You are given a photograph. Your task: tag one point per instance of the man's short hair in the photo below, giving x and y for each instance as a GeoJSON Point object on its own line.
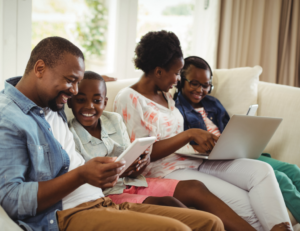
{"type": "Point", "coordinates": [51, 50]}
{"type": "Point", "coordinates": [94, 75]}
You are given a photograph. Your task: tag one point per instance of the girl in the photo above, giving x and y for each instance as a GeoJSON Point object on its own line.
{"type": "Point", "coordinates": [149, 110]}
{"type": "Point", "coordinates": [203, 111]}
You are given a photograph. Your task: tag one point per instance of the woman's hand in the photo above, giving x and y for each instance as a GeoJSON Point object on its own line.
{"type": "Point", "coordinates": [138, 166]}
{"type": "Point", "coordinates": [205, 140]}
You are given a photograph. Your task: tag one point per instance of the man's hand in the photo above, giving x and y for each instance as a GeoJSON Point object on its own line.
{"type": "Point", "coordinates": [108, 79]}
{"type": "Point", "coordinates": [205, 140]}
{"type": "Point", "coordinates": [138, 166]}
{"type": "Point", "coordinates": [101, 172]}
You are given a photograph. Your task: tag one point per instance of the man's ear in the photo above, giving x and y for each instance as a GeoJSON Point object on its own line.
{"type": "Point", "coordinates": [105, 102]}
{"type": "Point", "coordinates": [39, 68]}
{"type": "Point", "coordinates": [69, 102]}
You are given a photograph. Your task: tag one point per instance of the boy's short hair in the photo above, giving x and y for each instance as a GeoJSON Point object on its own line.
{"type": "Point", "coordinates": [94, 75]}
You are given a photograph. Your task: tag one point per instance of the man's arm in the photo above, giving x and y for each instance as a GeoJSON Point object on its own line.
{"type": "Point", "coordinates": [101, 172]}
{"type": "Point", "coordinates": [21, 197]}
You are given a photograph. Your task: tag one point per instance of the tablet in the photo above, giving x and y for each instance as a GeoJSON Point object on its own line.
{"type": "Point", "coordinates": [135, 149]}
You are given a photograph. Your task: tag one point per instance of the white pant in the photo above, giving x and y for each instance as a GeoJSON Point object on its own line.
{"type": "Point", "coordinates": [249, 187]}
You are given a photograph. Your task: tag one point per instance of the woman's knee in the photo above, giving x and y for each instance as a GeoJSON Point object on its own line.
{"type": "Point", "coordinates": [194, 186]}
{"type": "Point", "coordinates": [164, 201]}
{"type": "Point", "coordinates": [190, 191]}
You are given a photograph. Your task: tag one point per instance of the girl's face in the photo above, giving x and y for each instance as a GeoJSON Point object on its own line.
{"type": "Point", "coordinates": [169, 78]}
{"type": "Point", "coordinates": [197, 85]}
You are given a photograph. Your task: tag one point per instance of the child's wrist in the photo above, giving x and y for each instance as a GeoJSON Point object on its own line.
{"type": "Point", "coordinates": [190, 134]}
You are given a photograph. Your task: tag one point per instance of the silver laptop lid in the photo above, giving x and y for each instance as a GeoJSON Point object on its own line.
{"type": "Point", "coordinates": [245, 137]}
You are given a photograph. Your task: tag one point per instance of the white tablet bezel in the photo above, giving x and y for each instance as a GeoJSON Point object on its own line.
{"type": "Point", "coordinates": [135, 149]}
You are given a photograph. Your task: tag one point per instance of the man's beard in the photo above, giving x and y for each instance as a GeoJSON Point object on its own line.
{"type": "Point", "coordinates": [52, 103]}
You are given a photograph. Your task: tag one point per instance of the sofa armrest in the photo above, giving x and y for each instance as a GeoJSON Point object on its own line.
{"type": "Point", "coordinates": [7, 224]}
{"type": "Point", "coordinates": [277, 100]}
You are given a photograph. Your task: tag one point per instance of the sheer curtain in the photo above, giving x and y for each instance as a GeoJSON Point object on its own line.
{"type": "Point", "coordinates": [261, 32]}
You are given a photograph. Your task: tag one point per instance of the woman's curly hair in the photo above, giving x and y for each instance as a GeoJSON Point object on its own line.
{"type": "Point", "coordinates": [157, 49]}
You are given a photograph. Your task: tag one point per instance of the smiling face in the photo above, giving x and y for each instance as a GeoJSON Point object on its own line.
{"type": "Point", "coordinates": [59, 83]}
{"type": "Point", "coordinates": [167, 79]}
{"type": "Point", "coordinates": [196, 76]}
{"type": "Point", "coordinates": [89, 103]}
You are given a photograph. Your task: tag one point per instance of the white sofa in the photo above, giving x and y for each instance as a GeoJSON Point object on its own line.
{"type": "Point", "coordinates": [237, 89]}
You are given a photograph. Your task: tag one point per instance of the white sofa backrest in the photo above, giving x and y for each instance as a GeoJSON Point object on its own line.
{"type": "Point", "coordinates": [237, 89]}
{"type": "Point", "coordinates": [277, 100]}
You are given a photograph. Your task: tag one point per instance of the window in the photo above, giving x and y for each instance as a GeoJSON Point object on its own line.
{"type": "Point", "coordinates": [106, 30]}
{"type": "Point", "coordinates": [84, 22]}
{"type": "Point", "coordinates": [176, 16]}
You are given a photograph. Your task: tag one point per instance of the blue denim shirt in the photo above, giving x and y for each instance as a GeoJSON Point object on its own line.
{"type": "Point", "coordinates": [193, 119]}
{"type": "Point", "coordinates": [29, 154]}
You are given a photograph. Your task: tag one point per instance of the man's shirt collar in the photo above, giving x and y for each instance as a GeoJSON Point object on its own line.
{"type": "Point", "coordinates": [107, 128]}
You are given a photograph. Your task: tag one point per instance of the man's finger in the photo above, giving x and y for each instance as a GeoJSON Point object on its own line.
{"type": "Point", "coordinates": [105, 159]}
{"type": "Point", "coordinates": [108, 177]}
{"type": "Point", "coordinates": [114, 167]}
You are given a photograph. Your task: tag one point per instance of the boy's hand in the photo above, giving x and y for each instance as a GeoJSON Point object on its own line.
{"type": "Point", "coordinates": [108, 79]}
{"type": "Point", "coordinates": [138, 165]}
{"type": "Point", "coordinates": [101, 172]}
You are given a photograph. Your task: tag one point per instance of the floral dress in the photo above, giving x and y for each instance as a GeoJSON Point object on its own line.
{"type": "Point", "coordinates": [143, 117]}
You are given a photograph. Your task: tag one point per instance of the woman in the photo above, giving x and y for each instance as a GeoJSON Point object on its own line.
{"type": "Point", "coordinates": [149, 110]}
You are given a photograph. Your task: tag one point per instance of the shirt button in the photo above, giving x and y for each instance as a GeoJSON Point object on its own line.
{"type": "Point", "coordinates": [61, 147]}
{"type": "Point", "coordinates": [49, 129]}
{"type": "Point", "coordinates": [211, 118]}
{"type": "Point", "coordinates": [66, 167]}
{"type": "Point", "coordinates": [51, 221]}
{"type": "Point", "coordinates": [41, 112]}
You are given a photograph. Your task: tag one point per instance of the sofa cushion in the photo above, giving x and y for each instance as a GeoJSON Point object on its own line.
{"type": "Point", "coordinates": [6, 223]}
{"type": "Point", "coordinates": [236, 88]}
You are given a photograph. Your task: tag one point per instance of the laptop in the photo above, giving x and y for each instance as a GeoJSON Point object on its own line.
{"type": "Point", "coordinates": [243, 137]}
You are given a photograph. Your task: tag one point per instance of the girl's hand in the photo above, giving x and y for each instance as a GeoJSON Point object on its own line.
{"type": "Point", "coordinates": [138, 165]}
{"type": "Point", "coordinates": [205, 140]}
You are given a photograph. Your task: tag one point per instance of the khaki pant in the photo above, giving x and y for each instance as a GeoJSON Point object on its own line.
{"type": "Point", "coordinates": [103, 214]}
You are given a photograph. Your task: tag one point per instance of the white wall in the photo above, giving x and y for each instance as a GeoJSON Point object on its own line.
{"type": "Point", "coordinates": [206, 30]}
{"type": "Point", "coordinates": [15, 37]}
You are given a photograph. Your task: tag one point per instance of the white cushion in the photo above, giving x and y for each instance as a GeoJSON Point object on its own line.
{"type": "Point", "coordinates": [6, 223]}
{"type": "Point", "coordinates": [236, 88]}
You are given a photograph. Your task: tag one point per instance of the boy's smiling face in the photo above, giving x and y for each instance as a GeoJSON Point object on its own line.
{"type": "Point", "coordinates": [89, 103]}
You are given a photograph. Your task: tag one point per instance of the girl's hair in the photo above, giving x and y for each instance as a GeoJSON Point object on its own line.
{"type": "Point", "coordinates": [195, 61]}
{"type": "Point", "coordinates": [157, 49]}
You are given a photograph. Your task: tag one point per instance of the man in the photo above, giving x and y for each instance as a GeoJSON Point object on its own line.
{"type": "Point", "coordinates": [44, 183]}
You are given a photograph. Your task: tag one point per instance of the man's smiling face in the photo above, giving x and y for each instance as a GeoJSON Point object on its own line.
{"type": "Point", "coordinates": [61, 82]}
